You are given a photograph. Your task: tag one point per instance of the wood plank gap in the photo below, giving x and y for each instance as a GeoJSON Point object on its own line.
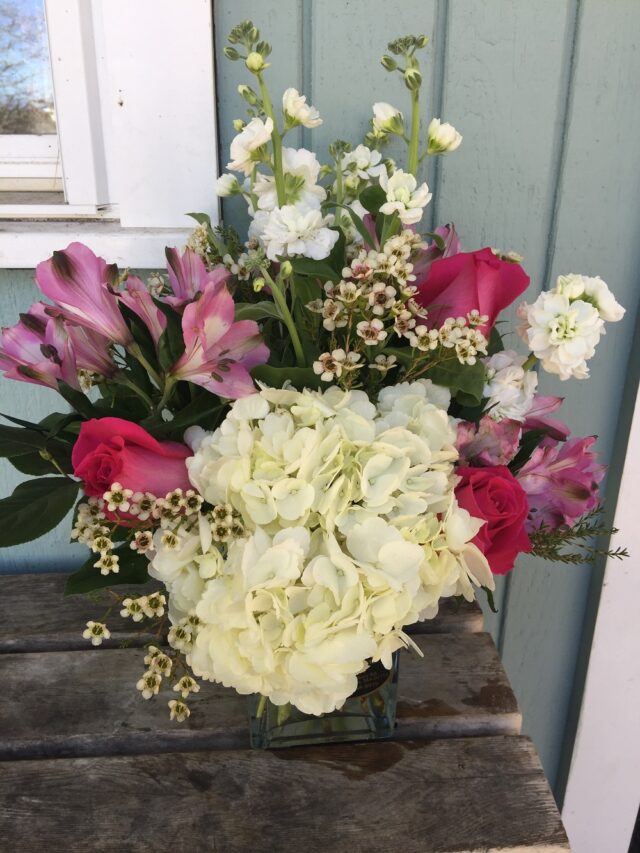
{"type": "Point", "coordinates": [574, 29]}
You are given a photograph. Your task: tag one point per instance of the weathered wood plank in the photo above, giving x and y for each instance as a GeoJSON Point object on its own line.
{"type": "Point", "coordinates": [36, 617]}
{"type": "Point", "coordinates": [485, 794]}
{"type": "Point", "coordinates": [84, 703]}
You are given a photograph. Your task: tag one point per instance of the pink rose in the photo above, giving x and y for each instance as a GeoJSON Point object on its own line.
{"type": "Point", "coordinates": [112, 450]}
{"type": "Point", "coordinates": [495, 495]}
{"type": "Point", "coordinates": [455, 285]}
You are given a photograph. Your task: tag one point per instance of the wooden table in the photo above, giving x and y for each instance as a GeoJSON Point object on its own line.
{"type": "Point", "coordinates": [87, 765]}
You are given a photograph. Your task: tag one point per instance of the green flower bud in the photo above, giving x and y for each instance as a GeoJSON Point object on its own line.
{"type": "Point", "coordinates": [422, 41]}
{"type": "Point", "coordinates": [286, 269]}
{"type": "Point", "coordinates": [258, 284]}
{"type": "Point", "coordinates": [263, 48]}
{"type": "Point", "coordinates": [238, 124]}
{"type": "Point", "coordinates": [412, 79]}
{"type": "Point", "coordinates": [248, 94]}
{"type": "Point", "coordinates": [231, 53]}
{"type": "Point", "coordinates": [255, 62]}
{"type": "Point", "coordinates": [389, 63]}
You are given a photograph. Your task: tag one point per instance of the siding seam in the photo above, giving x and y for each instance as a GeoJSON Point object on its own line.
{"type": "Point", "coordinates": [440, 38]}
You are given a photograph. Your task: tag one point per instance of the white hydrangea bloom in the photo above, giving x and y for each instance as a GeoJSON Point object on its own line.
{"type": "Point", "coordinates": [562, 333]}
{"type": "Point", "coordinates": [593, 290]}
{"type": "Point", "coordinates": [294, 230]}
{"type": "Point", "coordinates": [404, 196]}
{"type": "Point", "coordinates": [243, 146]}
{"type": "Point", "coordinates": [301, 164]}
{"type": "Point", "coordinates": [297, 111]}
{"type": "Point", "coordinates": [442, 138]}
{"type": "Point", "coordinates": [353, 532]}
{"type": "Point", "coordinates": [509, 388]}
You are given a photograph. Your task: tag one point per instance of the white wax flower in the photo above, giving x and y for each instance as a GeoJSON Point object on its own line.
{"type": "Point", "coordinates": [302, 165]}
{"type": "Point", "coordinates": [404, 196]}
{"type": "Point", "coordinates": [227, 185]}
{"type": "Point", "coordinates": [561, 333]}
{"type": "Point", "coordinates": [442, 138]}
{"type": "Point", "coordinates": [296, 230]}
{"type": "Point", "coordinates": [297, 111]}
{"type": "Point", "coordinates": [387, 118]}
{"type": "Point", "coordinates": [509, 388]}
{"type": "Point", "coordinates": [243, 146]}
{"type": "Point", "coordinates": [593, 290]}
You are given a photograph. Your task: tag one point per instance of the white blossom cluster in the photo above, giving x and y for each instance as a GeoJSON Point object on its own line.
{"type": "Point", "coordinates": [509, 386]}
{"type": "Point", "coordinates": [353, 532]}
{"type": "Point", "coordinates": [563, 326]}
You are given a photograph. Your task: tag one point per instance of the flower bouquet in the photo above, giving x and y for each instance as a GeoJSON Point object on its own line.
{"type": "Point", "coordinates": [308, 438]}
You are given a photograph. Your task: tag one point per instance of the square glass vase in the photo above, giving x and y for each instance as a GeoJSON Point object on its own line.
{"type": "Point", "coordinates": [368, 714]}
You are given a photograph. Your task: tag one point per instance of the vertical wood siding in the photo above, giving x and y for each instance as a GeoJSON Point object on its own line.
{"type": "Point", "coordinates": [546, 96]}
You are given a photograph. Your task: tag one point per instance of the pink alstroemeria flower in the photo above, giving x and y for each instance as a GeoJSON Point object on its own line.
{"type": "Point", "coordinates": [489, 442]}
{"type": "Point", "coordinates": [138, 299]}
{"type": "Point", "coordinates": [536, 418]}
{"type": "Point", "coordinates": [219, 353]}
{"type": "Point", "coordinates": [188, 276]}
{"type": "Point", "coordinates": [432, 253]}
{"type": "Point", "coordinates": [37, 350]}
{"type": "Point", "coordinates": [77, 281]}
{"type": "Point", "coordinates": [561, 482]}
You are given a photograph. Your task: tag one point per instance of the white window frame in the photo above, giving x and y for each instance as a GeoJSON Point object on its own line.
{"type": "Point", "coordinates": [135, 107]}
{"type": "Point", "coordinates": [28, 161]}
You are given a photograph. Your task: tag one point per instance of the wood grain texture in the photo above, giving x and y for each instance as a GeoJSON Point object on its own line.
{"type": "Point", "coordinates": [485, 794]}
{"type": "Point", "coordinates": [35, 616]}
{"type": "Point", "coordinates": [85, 702]}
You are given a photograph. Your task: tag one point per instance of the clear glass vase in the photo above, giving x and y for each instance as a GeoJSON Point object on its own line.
{"type": "Point", "coordinates": [369, 714]}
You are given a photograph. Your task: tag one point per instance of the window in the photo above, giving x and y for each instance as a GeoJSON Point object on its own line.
{"type": "Point", "coordinates": [128, 89]}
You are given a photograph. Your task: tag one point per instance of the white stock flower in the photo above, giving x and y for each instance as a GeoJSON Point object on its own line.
{"type": "Point", "coordinates": [297, 111]}
{"type": "Point", "coordinates": [561, 333]}
{"type": "Point", "coordinates": [353, 532]}
{"type": "Point", "coordinates": [442, 138]}
{"type": "Point", "coordinates": [593, 290]}
{"type": "Point", "coordinates": [404, 196]}
{"type": "Point", "coordinates": [302, 165]}
{"type": "Point", "coordinates": [362, 162]}
{"type": "Point", "coordinates": [227, 185]}
{"type": "Point", "coordinates": [243, 146]}
{"type": "Point", "coordinates": [297, 230]}
{"type": "Point", "coordinates": [509, 388]}
{"type": "Point", "coordinates": [386, 118]}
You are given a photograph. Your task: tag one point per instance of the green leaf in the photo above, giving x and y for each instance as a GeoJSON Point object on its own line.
{"type": "Point", "coordinates": [317, 269]}
{"type": "Point", "coordinates": [133, 570]}
{"type": "Point", "coordinates": [196, 412]}
{"type": "Point", "coordinates": [490, 601]}
{"type": "Point", "coordinates": [457, 377]}
{"type": "Point", "coordinates": [275, 377]}
{"type": "Point", "coordinates": [495, 342]}
{"type": "Point", "coordinates": [77, 400]}
{"type": "Point", "coordinates": [528, 443]}
{"type": "Point", "coordinates": [357, 222]}
{"type": "Point", "coordinates": [390, 226]}
{"type": "Point", "coordinates": [437, 239]}
{"type": "Point", "coordinates": [372, 198]}
{"type": "Point", "coordinates": [336, 257]}
{"type": "Point", "coordinates": [35, 465]}
{"type": "Point", "coordinates": [34, 508]}
{"type": "Point", "coordinates": [16, 442]}
{"type": "Point", "coordinates": [256, 311]}
{"type": "Point", "coordinates": [28, 424]}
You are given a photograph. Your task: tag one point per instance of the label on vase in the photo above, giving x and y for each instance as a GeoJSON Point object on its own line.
{"type": "Point", "coordinates": [372, 679]}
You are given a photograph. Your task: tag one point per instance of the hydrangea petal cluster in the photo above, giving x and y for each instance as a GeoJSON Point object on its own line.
{"type": "Point", "coordinates": [353, 532]}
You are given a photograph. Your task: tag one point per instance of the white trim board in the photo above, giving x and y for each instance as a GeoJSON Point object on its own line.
{"type": "Point", "coordinates": [603, 790]}
{"type": "Point", "coordinates": [23, 245]}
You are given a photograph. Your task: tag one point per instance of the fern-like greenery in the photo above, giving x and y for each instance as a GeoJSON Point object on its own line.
{"type": "Point", "coordinates": [550, 544]}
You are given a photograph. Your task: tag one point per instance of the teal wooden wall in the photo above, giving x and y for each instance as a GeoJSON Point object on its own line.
{"type": "Point", "coordinates": [545, 94]}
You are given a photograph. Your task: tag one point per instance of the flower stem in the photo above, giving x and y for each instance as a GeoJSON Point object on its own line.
{"type": "Point", "coordinates": [136, 352]}
{"type": "Point", "coordinates": [287, 319]}
{"type": "Point", "coordinates": [414, 142]}
{"type": "Point", "coordinates": [122, 379]}
{"type": "Point", "coordinates": [530, 362]}
{"type": "Point", "coordinates": [277, 142]}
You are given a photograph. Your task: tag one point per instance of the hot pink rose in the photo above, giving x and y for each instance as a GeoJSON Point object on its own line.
{"type": "Point", "coordinates": [112, 450]}
{"type": "Point", "coordinates": [456, 285]}
{"type": "Point", "coordinates": [495, 495]}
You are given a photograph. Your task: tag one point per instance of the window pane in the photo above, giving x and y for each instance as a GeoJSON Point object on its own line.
{"type": "Point", "coordinates": [26, 89]}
